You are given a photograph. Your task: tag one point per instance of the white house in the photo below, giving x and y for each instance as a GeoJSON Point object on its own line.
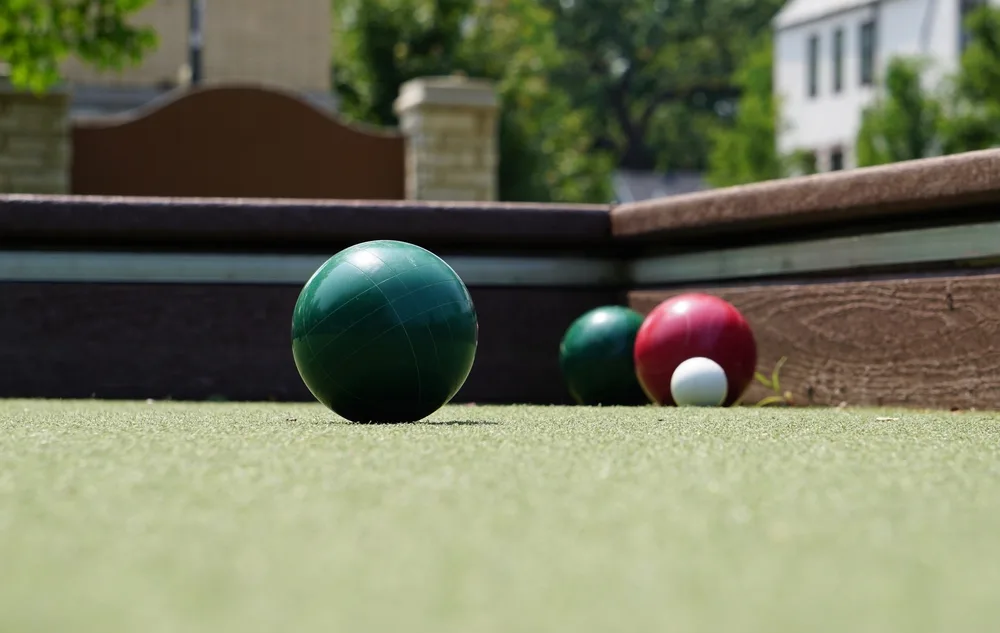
{"type": "Point", "coordinates": [829, 55]}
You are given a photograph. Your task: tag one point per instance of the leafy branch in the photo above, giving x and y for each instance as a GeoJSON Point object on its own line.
{"type": "Point", "coordinates": [36, 36]}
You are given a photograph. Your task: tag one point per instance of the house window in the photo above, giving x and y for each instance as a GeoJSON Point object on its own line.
{"type": "Point", "coordinates": [965, 7]}
{"type": "Point", "coordinates": [838, 60]}
{"type": "Point", "coordinates": [868, 53]}
{"type": "Point", "coordinates": [813, 65]}
{"type": "Point", "coordinates": [836, 159]}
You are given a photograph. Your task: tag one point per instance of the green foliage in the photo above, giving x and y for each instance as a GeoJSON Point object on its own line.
{"type": "Point", "coordinates": [380, 44]}
{"type": "Point", "coordinates": [37, 35]}
{"type": "Point", "coordinates": [586, 86]}
{"type": "Point", "coordinates": [801, 163]}
{"type": "Point", "coordinates": [979, 77]}
{"type": "Point", "coordinates": [546, 144]}
{"type": "Point", "coordinates": [903, 122]}
{"type": "Point", "coordinates": [654, 74]}
{"type": "Point", "coordinates": [907, 122]}
{"type": "Point", "coordinates": [973, 116]}
{"type": "Point", "coordinates": [746, 151]}
{"type": "Point", "coordinates": [545, 154]}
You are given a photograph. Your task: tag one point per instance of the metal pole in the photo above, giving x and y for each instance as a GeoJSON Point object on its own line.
{"type": "Point", "coordinates": [195, 39]}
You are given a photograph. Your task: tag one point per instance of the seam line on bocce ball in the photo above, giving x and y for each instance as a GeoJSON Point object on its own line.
{"type": "Point", "coordinates": [40, 266]}
{"type": "Point", "coordinates": [958, 243]}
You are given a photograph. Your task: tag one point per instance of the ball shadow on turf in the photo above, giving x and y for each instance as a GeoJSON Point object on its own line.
{"type": "Point", "coordinates": [458, 422]}
{"type": "Point", "coordinates": [431, 423]}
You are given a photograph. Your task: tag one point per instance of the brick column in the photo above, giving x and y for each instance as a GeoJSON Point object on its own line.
{"type": "Point", "coordinates": [34, 141]}
{"type": "Point", "coordinates": [450, 125]}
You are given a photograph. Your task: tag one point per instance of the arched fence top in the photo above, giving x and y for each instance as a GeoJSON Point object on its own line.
{"type": "Point", "coordinates": [235, 141]}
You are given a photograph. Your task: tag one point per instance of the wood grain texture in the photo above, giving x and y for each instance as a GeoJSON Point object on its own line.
{"type": "Point", "coordinates": [930, 342]}
{"type": "Point", "coordinates": [937, 184]}
{"type": "Point", "coordinates": [211, 141]}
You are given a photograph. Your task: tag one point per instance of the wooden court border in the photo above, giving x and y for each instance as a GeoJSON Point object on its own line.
{"type": "Point", "coordinates": [91, 267]}
{"type": "Point", "coordinates": [967, 243]}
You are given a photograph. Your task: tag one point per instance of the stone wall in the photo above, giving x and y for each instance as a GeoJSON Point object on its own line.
{"type": "Point", "coordinates": [450, 124]}
{"type": "Point", "coordinates": [35, 150]}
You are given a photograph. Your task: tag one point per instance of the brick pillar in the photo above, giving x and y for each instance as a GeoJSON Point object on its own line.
{"type": "Point", "coordinates": [450, 125]}
{"type": "Point", "coordinates": [34, 141]}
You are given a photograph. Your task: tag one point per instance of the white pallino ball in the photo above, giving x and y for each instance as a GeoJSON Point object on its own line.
{"type": "Point", "coordinates": [699, 382]}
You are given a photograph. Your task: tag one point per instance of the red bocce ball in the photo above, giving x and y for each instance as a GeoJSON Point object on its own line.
{"type": "Point", "coordinates": [690, 325]}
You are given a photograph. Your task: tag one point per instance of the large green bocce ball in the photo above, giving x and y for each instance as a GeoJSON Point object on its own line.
{"type": "Point", "coordinates": [596, 357]}
{"type": "Point", "coordinates": [384, 331]}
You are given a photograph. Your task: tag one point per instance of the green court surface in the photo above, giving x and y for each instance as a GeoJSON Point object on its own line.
{"type": "Point", "coordinates": [169, 517]}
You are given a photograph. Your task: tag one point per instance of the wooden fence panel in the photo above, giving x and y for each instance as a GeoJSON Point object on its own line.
{"type": "Point", "coordinates": [236, 142]}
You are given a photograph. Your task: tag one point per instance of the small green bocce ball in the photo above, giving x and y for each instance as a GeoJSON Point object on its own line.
{"type": "Point", "coordinates": [384, 331]}
{"type": "Point", "coordinates": [596, 357]}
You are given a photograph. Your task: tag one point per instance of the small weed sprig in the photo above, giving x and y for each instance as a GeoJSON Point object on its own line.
{"type": "Point", "coordinates": [780, 398]}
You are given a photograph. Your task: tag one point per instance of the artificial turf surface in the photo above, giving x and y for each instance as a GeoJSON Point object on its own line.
{"type": "Point", "coordinates": [271, 517]}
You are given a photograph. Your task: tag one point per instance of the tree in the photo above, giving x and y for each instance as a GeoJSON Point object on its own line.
{"type": "Point", "coordinates": [546, 144]}
{"type": "Point", "coordinates": [655, 75]}
{"type": "Point", "coordinates": [545, 149]}
{"type": "Point", "coordinates": [904, 121]}
{"type": "Point", "coordinates": [381, 44]}
{"type": "Point", "coordinates": [587, 85]}
{"type": "Point", "coordinates": [747, 150]}
{"type": "Point", "coordinates": [973, 110]}
{"type": "Point", "coordinates": [36, 35]}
